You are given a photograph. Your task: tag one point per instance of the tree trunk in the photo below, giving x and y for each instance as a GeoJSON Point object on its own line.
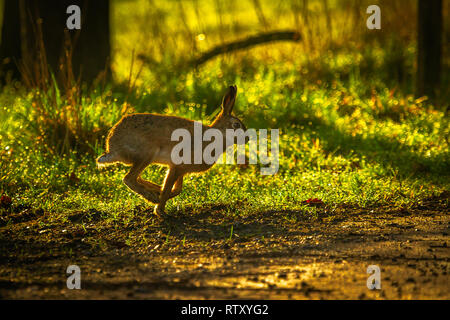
{"type": "Point", "coordinates": [90, 44]}
{"type": "Point", "coordinates": [429, 47]}
{"type": "Point", "coordinates": [10, 41]}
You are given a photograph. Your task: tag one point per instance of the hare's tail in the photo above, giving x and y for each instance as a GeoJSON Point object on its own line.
{"type": "Point", "coordinates": [106, 159]}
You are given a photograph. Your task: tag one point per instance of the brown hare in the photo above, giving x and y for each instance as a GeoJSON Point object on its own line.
{"type": "Point", "coordinates": [144, 138]}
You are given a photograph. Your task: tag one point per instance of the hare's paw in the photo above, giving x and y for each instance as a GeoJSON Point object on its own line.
{"type": "Point", "coordinates": [159, 210]}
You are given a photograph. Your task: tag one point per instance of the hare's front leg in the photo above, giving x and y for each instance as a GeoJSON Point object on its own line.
{"type": "Point", "coordinates": [132, 178]}
{"type": "Point", "coordinates": [177, 187]}
{"type": "Point", "coordinates": [171, 177]}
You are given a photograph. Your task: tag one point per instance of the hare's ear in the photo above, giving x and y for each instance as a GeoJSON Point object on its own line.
{"type": "Point", "coordinates": [229, 99]}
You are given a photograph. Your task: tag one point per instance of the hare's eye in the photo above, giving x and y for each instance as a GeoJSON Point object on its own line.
{"type": "Point", "coordinates": [236, 125]}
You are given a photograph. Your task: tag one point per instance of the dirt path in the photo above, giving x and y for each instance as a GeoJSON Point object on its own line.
{"type": "Point", "coordinates": [321, 259]}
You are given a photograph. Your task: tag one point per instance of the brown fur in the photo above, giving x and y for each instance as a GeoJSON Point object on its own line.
{"type": "Point", "coordinates": [144, 138]}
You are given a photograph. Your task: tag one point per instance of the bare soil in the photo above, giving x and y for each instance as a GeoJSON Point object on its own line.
{"type": "Point", "coordinates": [269, 256]}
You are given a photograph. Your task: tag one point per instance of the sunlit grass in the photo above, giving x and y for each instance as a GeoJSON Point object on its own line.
{"type": "Point", "coordinates": [336, 144]}
{"type": "Point", "coordinates": [351, 134]}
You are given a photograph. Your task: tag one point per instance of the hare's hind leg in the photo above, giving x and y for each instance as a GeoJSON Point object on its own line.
{"type": "Point", "coordinates": [150, 185]}
{"type": "Point", "coordinates": [132, 178]}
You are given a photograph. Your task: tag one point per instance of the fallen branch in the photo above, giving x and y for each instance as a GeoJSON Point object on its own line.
{"type": "Point", "coordinates": [246, 43]}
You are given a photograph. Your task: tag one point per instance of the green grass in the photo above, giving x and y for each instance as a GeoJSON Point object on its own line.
{"type": "Point", "coordinates": [350, 134]}
{"type": "Point", "coordinates": [338, 144]}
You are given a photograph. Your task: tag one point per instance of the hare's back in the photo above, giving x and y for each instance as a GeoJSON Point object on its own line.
{"type": "Point", "coordinates": [146, 123]}
{"type": "Point", "coordinates": [144, 128]}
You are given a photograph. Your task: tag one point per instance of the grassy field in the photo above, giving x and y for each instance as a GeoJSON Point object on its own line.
{"type": "Point", "coordinates": [351, 133]}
